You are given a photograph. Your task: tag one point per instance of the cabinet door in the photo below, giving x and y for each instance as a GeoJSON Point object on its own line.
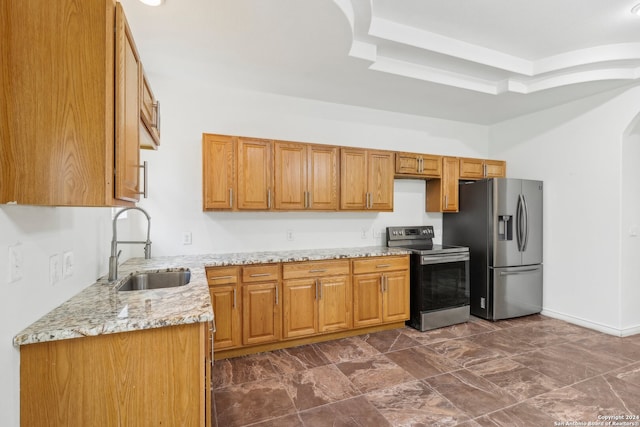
{"type": "Point", "coordinates": [495, 168]}
{"type": "Point", "coordinates": [395, 298]}
{"type": "Point", "coordinates": [450, 184]}
{"type": "Point", "coordinates": [471, 168]}
{"type": "Point", "coordinates": [419, 165]}
{"type": "Point", "coordinates": [255, 174]}
{"type": "Point", "coordinates": [353, 179]}
{"type": "Point", "coordinates": [218, 172]}
{"type": "Point", "coordinates": [300, 307]}
{"type": "Point", "coordinates": [225, 302]}
{"type": "Point", "coordinates": [334, 303]}
{"type": "Point", "coordinates": [290, 176]}
{"type": "Point", "coordinates": [367, 299]}
{"type": "Point", "coordinates": [442, 194]}
{"type": "Point", "coordinates": [380, 180]}
{"type": "Point", "coordinates": [128, 77]}
{"type": "Point", "coordinates": [407, 163]}
{"type": "Point", "coordinates": [149, 115]}
{"type": "Point", "coordinates": [322, 177]}
{"type": "Point", "coordinates": [260, 313]}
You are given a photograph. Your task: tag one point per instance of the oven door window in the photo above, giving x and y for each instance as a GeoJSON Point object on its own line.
{"type": "Point", "coordinates": [444, 285]}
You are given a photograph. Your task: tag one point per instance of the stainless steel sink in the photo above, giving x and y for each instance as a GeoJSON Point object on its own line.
{"type": "Point", "coordinates": [155, 280]}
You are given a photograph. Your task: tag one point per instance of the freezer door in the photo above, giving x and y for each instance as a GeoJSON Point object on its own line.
{"type": "Point", "coordinates": [504, 226]}
{"type": "Point", "coordinates": [532, 197]}
{"type": "Point", "coordinates": [517, 291]}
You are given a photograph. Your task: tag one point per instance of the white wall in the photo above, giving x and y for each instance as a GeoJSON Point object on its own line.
{"type": "Point", "coordinates": [630, 229]}
{"type": "Point", "coordinates": [576, 149]}
{"type": "Point", "coordinates": [40, 232]}
{"type": "Point", "coordinates": [175, 201]}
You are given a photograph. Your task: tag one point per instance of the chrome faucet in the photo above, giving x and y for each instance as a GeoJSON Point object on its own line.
{"type": "Point", "coordinates": [113, 259]}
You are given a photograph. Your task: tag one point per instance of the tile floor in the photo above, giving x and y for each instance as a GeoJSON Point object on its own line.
{"type": "Point", "coordinates": [531, 371]}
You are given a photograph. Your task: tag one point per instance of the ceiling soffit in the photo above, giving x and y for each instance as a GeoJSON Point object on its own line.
{"type": "Point", "coordinates": [394, 47]}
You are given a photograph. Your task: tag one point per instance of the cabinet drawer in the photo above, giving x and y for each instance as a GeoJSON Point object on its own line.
{"type": "Point", "coordinates": [380, 264]}
{"type": "Point", "coordinates": [260, 273]}
{"type": "Point", "coordinates": [222, 275]}
{"type": "Point", "coordinates": [299, 270]}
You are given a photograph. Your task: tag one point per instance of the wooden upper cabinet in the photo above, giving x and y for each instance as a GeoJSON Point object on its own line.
{"type": "Point", "coordinates": [149, 116]}
{"type": "Point", "coordinates": [306, 176]}
{"type": "Point", "coordinates": [322, 177]}
{"type": "Point", "coordinates": [70, 131]}
{"type": "Point", "coordinates": [290, 176]}
{"type": "Point", "coordinates": [218, 172]}
{"type": "Point", "coordinates": [128, 75]}
{"type": "Point", "coordinates": [366, 179]}
{"type": "Point", "coordinates": [418, 165]}
{"type": "Point", "coordinates": [442, 194]}
{"type": "Point", "coordinates": [471, 168]}
{"type": "Point", "coordinates": [255, 174]}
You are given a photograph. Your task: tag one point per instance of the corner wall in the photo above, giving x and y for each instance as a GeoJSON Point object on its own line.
{"type": "Point", "coordinates": [576, 149]}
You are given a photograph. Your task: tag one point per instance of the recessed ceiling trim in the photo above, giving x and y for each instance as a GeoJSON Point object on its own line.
{"type": "Point", "coordinates": [598, 54]}
{"type": "Point", "coordinates": [434, 75]}
{"type": "Point", "coordinates": [370, 31]}
{"type": "Point", "coordinates": [392, 31]}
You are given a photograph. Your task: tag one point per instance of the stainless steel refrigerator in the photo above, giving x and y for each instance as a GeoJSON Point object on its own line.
{"type": "Point", "coordinates": [500, 220]}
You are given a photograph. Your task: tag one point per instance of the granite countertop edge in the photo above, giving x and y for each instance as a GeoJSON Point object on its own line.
{"type": "Point", "coordinates": [99, 309]}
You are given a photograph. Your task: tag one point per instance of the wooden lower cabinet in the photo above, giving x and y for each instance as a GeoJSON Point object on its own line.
{"type": "Point", "coordinates": [149, 377]}
{"type": "Point", "coordinates": [381, 290]}
{"type": "Point", "coordinates": [260, 312]}
{"type": "Point", "coordinates": [317, 299]}
{"type": "Point", "coordinates": [224, 290]}
{"type": "Point", "coordinates": [289, 304]}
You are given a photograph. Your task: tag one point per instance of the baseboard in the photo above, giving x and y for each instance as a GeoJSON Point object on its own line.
{"type": "Point", "coordinates": [592, 325]}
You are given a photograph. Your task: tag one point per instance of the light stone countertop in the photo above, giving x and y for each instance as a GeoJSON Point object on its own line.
{"type": "Point", "coordinates": [100, 309]}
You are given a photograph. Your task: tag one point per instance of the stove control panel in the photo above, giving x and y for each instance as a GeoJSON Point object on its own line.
{"type": "Point", "coordinates": [420, 232]}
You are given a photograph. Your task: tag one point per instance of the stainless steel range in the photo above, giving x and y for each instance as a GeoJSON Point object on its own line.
{"type": "Point", "coordinates": [439, 278]}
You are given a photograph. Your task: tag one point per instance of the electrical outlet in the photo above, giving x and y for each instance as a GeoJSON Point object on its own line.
{"type": "Point", "coordinates": [67, 265]}
{"type": "Point", "coordinates": [55, 269]}
{"type": "Point", "coordinates": [290, 235]}
{"type": "Point", "coordinates": [15, 263]}
{"type": "Point", "coordinates": [186, 238]}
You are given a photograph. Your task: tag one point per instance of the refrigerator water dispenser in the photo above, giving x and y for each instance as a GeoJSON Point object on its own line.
{"type": "Point", "coordinates": [505, 227]}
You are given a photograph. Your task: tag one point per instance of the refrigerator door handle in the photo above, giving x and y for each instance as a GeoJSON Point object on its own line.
{"type": "Point", "coordinates": [519, 235]}
{"type": "Point", "coordinates": [510, 273]}
{"type": "Point", "coordinates": [525, 216]}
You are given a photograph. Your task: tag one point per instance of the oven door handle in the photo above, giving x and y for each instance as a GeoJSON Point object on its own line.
{"type": "Point", "coordinates": [435, 259]}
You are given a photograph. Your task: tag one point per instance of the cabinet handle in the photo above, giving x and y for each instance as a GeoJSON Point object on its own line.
{"type": "Point", "coordinates": [383, 265]}
{"type": "Point", "coordinates": [306, 200]}
{"type": "Point", "coordinates": [420, 164]}
{"type": "Point", "coordinates": [234, 297]}
{"type": "Point", "coordinates": [276, 294]}
{"type": "Point", "coordinates": [212, 331]}
{"type": "Point", "coordinates": [145, 189]}
{"type": "Point", "coordinates": [446, 201]}
{"type": "Point", "coordinates": [320, 287]}
{"type": "Point", "coordinates": [269, 198]}
{"type": "Point", "coordinates": [231, 197]}
{"type": "Point", "coordinates": [316, 289]}
{"type": "Point", "coordinates": [260, 275]}
{"type": "Point", "coordinates": [381, 284]}
{"type": "Point", "coordinates": [369, 201]}
{"type": "Point", "coordinates": [484, 170]}
{"type": "Point", "coordinates": [386, 283]}
{"type": "Point", "coordinates": [319, 270]}
{"type": "Point", "coordinates": [220, 277]}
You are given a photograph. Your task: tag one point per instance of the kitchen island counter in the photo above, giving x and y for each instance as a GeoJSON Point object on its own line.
{"type": "Point", "coordinates": [100, 309]}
